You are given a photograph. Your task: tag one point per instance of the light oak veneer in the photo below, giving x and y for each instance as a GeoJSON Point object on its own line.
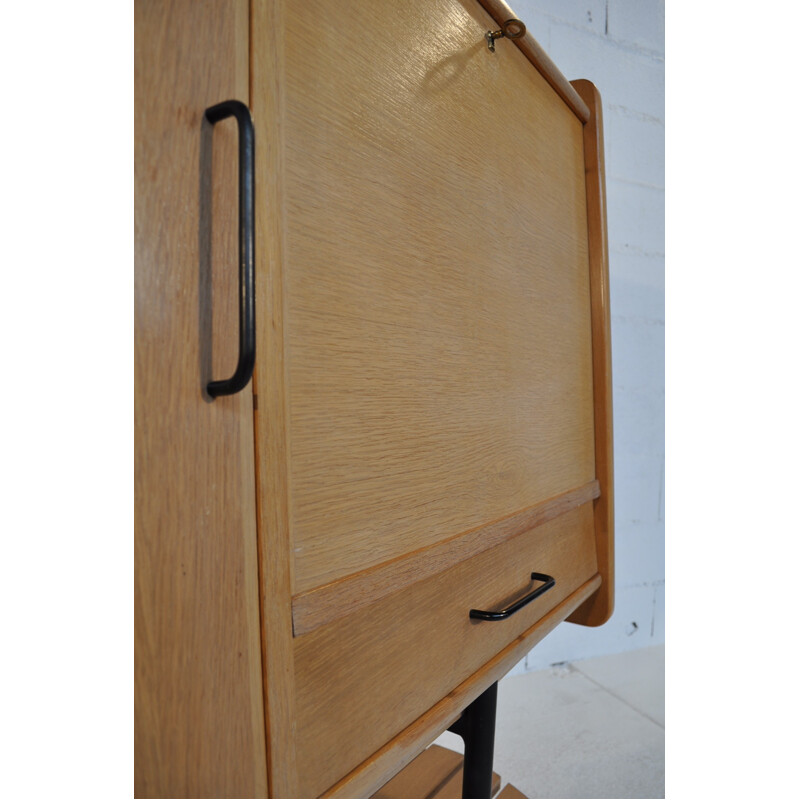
{"type": "Point", "coordinates": [376, 672]}
{"type": "Point", "coordinates": [429, 419]}
{"type": "Point", "coordinates": [355, 592]}
{"type": "Point", "coordinates": [401, 750]}
{"type": "Point", "coordinates": [439, 363]}
{"type": "Point", "coordinates": [199, 715]}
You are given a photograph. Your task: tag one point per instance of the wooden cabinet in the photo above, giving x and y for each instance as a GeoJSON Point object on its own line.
{"type": "Point", "coordinates": [429, 420]}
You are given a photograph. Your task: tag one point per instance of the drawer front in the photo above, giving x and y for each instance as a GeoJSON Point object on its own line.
{"type": "Point", "coordinates": [364, 678]}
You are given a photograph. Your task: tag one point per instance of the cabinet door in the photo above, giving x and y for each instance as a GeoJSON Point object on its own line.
{"type": "Point", "coordinates": [439, 350]}
{"type": "Point", "coordinates": [429, 441]}
{"type": "Point", "coordinates": [199, 727]}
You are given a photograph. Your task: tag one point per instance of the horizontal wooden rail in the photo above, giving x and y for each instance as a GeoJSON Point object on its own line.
{"type": "Point", "coordinates": [326, 603]}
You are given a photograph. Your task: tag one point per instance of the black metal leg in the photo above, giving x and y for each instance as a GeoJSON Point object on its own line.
{"type": "Point", "coordinates": [476, 728]}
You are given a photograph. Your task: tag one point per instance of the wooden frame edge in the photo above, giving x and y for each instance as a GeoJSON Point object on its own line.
{"type": "Point", "coordinates": [272, 436]}
{"type": "Point", "coordinates": [598, 608]}
{"type": "Point", "coordinates": [253, 584]}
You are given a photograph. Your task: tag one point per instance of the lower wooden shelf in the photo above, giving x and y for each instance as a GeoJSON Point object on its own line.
{"type": "Point", "coordinates": [436, 773]}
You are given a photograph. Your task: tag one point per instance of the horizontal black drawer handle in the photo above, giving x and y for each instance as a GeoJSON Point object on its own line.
{"type": "Point", "coordinates": [505, 613]}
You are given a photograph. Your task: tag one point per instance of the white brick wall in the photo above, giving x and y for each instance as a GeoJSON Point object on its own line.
{"type": "Point", "coordinates": [619, 46]}
{"type": "Point", "coordinates": [637, 22]}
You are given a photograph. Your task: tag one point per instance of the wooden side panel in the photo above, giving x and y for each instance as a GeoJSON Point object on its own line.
{"type": "Point", "coordinates": [199, 725]}
{"type": "Point", "coordinates": [365, 678]}
{"type": "Point", "coordinates": [599, 608]}
{"type": "Point", "coordinates": [437, 283]}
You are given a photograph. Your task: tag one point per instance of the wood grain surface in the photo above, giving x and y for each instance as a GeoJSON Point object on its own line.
{"type": "Point", "coordinates": [425, 775]}
{"type": "Point", "coordinates": [199, 725]}
{"type": "Point", "coordinates": [452, 787]}
{"type": "Point", "coordinates": [436, 773]}
{"type": "Point", "coordinates": [377, 671]}
{"type": "Point", "coordinates": [433, 332]}
{"type": "Point", "coordinates": [402, 749]}
{"type": "Point", "coordinates": [355, 592]}
{"type": "Point", "coordinates": [436, 286]}
{"type": "Point", "coordinates": [600, 607]}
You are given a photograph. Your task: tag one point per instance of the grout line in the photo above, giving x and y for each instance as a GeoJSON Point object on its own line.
{"type": "Point", "coordinates": [656, 56]}
{"type": "Point", "coordinates": [640, 319]}
{"type": "Point", "coordinates": [631, 182]}
{"type": "Point", "coordinates": [632, 113]}
{"type": "Point", "coordinates": [634, 250]}
{"type": "Point", "coordinates": [617, 697]}
{"type": "Point", "coordinates": [655, 591]}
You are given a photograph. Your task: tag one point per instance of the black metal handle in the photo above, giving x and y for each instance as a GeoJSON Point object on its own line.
{"type": "Point", "coordinates": [247, 273]}
{"type": "Point", "coordinates": [494, 616]}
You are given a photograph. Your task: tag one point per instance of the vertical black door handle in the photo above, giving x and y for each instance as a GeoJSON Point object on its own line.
{"type": "Point", "coordinates": [247, 295]}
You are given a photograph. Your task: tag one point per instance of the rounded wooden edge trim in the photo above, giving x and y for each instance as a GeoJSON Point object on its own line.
{"type": "Point", "coordinates": [369, 776]}
{"type": "Point", "coordinates": [599, 608]}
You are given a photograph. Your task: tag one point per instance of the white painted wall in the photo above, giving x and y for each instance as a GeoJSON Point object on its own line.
{"type": "Point", "coordinates": [619, 46]}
